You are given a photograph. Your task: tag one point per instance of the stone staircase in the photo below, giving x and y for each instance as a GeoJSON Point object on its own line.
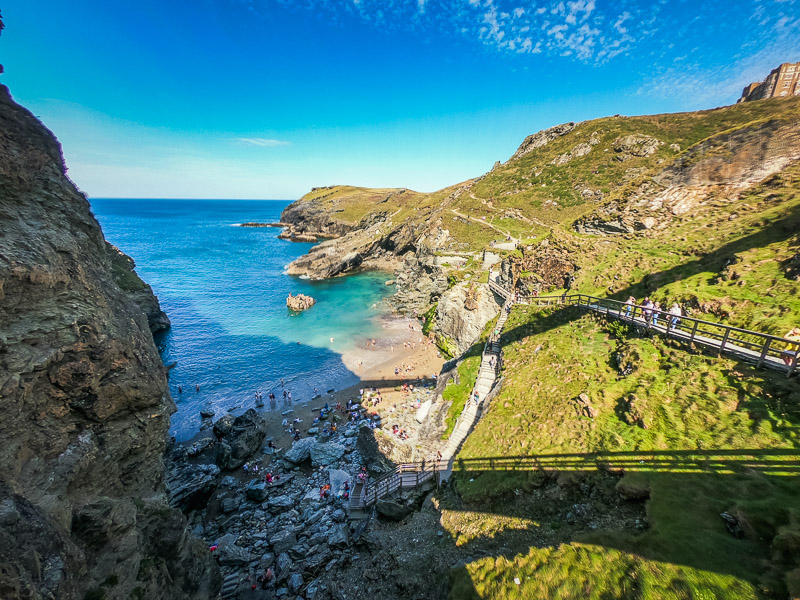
{"type": "Point", "coordinates": [487, 375]}
{"type": "Point", "coordinates": [440, 469]}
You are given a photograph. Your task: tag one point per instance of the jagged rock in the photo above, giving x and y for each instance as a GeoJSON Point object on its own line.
{"type": "Point", "coordinates": [580, 150]}
{"type": "Point", "coordinates": [381, 450]}
{"type": "Point", "coordinates": [455, 321]}
{"type": "Point", "coordinates": [392, 510]}
{"type": "Point", "coordinates": [339, 536]}
{"type": "Point", "coordinates": [282, 541]}
{"type": "Point", "coordinates": [207, 413]}
{"type": "Point", "coordinates": [635, 145]}
{"type": "Point", "coordinates": [85, 402]}
{"type": "Point", "coordinates": [337, 479]}
{"type": "Point", "coordinates": [295, 582]}
{"type": "Point", "coordinates": [256, 490]}
{"type": "Point", "coordinates": [300, 450]}
{"type": "Point", "coordinates": [283, 566]}
{"type": "Point", "coordinates": [229, 554]}
{"type": "Point", "coordinates": [230, 504]}
{"type": "Point", "coordinates": [326, 453]}
{"type": "Point", "coordinates": [240, 440]}
{"type": "Point", "coordinates": [280, 504]}
{"type": "Point", "coordinates": [542, 138]}
{"type": "Point", "coordinates": [300, 302]}
{"type": "Point", "coordinates": [190, 486]}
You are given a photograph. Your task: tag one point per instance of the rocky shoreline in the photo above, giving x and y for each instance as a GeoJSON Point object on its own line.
{"type": "Point", "coordinates": [261, 507]}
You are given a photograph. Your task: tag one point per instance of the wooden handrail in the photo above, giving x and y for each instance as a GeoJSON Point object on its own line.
{"type": "Point", "coordinates": [718, 331]}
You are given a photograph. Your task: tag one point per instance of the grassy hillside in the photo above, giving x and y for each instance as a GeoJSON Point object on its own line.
{"type": "Point", "coordinates": [660, 430]}
{"type": "Point", "coordinates": [630, 447]}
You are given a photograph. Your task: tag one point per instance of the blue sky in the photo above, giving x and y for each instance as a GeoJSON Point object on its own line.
{"type": "Point", "coordinates": [268, 98]}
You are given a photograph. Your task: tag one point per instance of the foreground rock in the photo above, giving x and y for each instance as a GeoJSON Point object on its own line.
{"type": "Point", "coordinates": [190, 486]}
{"type": "Point", "coordinates": [241, 437]}
{"type": "Point", "coordinates": [86, 407]}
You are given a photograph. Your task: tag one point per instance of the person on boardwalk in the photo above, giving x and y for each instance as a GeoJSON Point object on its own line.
{"type": "Point", "coordinates": [656, 312]}
{"type": "Point", "coordinates": [675, 314]}
{"type": "Point", "coordinates": [647, 309]}
{"type": "Point", "coordinates": [792, 348]}
{"type": "Point", "coordinates": [629, 303]}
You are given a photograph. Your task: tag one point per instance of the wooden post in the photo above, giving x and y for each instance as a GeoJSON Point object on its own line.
{"type": "Point", "coordinates": [694, 331]}
{"type": "Point", "coordinates": [764, 351]}
{"type": "Point", "coordinates": [724, 340]}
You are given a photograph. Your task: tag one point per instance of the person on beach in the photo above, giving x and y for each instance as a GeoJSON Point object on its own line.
{"type": "Point", "coordinates": [792, 348]}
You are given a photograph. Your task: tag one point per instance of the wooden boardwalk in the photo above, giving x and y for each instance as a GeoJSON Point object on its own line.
{"type": "Point", "coordinates": [761, 349]}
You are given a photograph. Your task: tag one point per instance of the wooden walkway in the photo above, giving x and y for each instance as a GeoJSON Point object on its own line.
{"type": "Point", "coordinates": [762, 349]}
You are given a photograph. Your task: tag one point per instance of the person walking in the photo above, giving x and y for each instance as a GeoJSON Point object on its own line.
{"type": "Point", "coordinates": [629, 303]}
{"type": "Point", "coordinates": [792, 348]}
{"type": "Point", "coordinates": [656, 312]}
{"type": "Point", "coordinates": [647, 309]}
{"type": "Point", "coordinates": [675, 313]}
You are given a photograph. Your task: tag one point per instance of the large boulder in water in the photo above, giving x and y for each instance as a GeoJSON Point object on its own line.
{"type": "Point", "coordinates": [243, 438]}
{"type": "Point", "coordinates": [190, 486]}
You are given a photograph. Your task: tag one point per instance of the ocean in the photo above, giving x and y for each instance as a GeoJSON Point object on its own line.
{"type": "Point", "coordinates": [224, 289]}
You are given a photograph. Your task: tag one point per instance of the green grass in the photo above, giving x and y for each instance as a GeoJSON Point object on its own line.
{"type": "Point", "coordinates": [686, 405]}
{"type": "Point", "coordinates": [458, 393]}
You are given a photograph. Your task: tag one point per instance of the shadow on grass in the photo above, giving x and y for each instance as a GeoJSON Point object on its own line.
{"type": "Point", "coordinates": [592, 499]}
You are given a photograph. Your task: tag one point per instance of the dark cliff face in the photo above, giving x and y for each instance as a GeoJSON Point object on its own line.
{"type": "Point", "coordinates": [85, 405]}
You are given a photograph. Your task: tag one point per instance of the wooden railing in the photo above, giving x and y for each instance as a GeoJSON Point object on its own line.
{"type": "Point", "coordinates": [404, 476]}
{"type": "Point", "coordinates": [763, 349]}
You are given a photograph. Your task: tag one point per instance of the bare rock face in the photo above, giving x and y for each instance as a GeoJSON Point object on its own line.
{"type": "Point", "coordinates": [542, 138]}
{"type": "Point", "coordinates": [463, 312]}
{"type": "Point", "coordinates": [723, 165]}
{"type": "Point", "coordinates": [85, 407]}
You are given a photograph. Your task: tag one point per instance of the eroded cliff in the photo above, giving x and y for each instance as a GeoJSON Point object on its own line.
{"type": "Point", "coordinates": [85, 405]}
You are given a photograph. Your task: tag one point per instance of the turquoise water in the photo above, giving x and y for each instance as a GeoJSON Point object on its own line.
{"type": "Point", "coordinates": [224, 288]}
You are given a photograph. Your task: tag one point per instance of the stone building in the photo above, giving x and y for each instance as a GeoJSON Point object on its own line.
{"type": "Point", "coordinates": [783, 81]}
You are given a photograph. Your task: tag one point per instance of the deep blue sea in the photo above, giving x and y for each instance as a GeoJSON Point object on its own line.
{"type": "Point", "coordinates": [224, 288]}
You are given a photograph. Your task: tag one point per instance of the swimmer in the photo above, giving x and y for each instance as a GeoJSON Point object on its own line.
{"type": "Point", "coordinates": [331, 340]}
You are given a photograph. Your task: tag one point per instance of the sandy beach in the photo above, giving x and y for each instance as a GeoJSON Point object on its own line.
{"type": "Point", "coordinates": [400, 355]}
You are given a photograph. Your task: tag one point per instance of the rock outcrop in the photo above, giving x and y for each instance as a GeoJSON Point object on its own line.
{"type": "Point", "coordinates": [86, 407]}
{"type": "Point", "coordinates": [721, 167]}
{"type": "Point", "coordinates": [300, 302]}
{"type": "Point", "coordinates": [240, 438]}
{"type": "Point", "coordinates": [463, 312]}
{"type": "Point", "coordinates": [542, 138]}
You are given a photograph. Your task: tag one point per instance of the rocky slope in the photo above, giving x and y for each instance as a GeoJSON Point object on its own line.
{"type": "Point", "coordinates": [85, 407]}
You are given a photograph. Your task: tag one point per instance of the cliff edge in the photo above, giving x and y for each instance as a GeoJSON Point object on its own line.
{"type": "Point", "coordinates": [85, 405]}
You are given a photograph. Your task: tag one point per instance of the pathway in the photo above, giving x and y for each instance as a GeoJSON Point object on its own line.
{"type": "Point", "coordinates": [762, 349]}
{"type": "Point", "coordinates": [412, 475]}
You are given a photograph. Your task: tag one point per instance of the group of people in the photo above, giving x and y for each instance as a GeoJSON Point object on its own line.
{"type": "Point", "coordinates": [652, 311]}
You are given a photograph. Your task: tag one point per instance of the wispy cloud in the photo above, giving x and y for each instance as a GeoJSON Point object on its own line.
{"type": "Point", "coordinates": [261, 142]}
{"type": "Point", "coordinates": [587, 31]}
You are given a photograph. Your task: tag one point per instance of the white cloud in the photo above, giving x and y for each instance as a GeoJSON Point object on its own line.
{"type": "Point", "coordinates": [261, 142]}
